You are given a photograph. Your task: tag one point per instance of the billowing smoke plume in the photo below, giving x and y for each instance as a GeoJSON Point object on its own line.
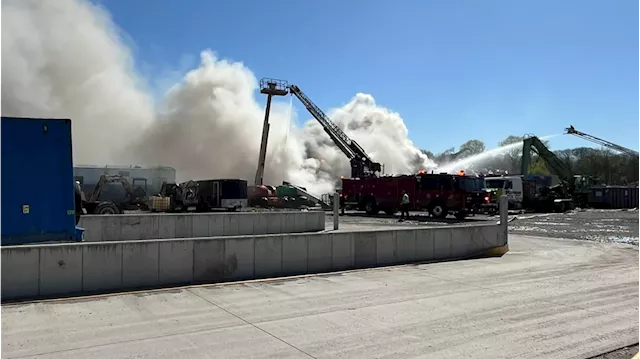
{"type": "Point", "coordinates": [65, 58]}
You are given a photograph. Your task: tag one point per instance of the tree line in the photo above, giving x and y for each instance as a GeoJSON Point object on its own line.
{"type": "Point", "coordinates": [608, 166]}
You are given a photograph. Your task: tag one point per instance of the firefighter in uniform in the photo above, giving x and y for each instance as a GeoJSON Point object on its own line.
{"type": "Point", "coordinates": [404, 206]}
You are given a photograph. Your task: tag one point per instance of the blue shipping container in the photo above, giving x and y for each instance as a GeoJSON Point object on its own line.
{"type": "Point", "coordinates": [37, 181]}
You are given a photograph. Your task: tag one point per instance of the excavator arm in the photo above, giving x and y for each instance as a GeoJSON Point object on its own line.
{"type": "Point", "coordinates": [95, 195]}
{"type": "Point", "coordinates": [361, 164]}
{"type": "Point", "coordinates": [555, 164]}
{"type": "Point", "coordinates": [105, 179]}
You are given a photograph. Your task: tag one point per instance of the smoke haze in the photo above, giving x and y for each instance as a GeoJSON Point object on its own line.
{"type": "Point", "coordinates": [66, 58]}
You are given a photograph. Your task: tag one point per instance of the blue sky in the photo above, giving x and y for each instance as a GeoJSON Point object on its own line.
{"type": "Point", "coordinates": [454, 70]}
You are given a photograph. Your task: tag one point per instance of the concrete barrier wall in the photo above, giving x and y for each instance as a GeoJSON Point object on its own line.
{"type": "Point", "coordinates": [126, 227]}
{"type": "Point", "coordinates": [68, 269]}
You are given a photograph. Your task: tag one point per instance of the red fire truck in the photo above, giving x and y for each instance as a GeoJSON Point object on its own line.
{"type": "Point", "coordinates": [439, 194]}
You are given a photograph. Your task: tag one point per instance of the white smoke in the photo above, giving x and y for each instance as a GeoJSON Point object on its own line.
{"type": "Point", "coordinates": [66, 58]}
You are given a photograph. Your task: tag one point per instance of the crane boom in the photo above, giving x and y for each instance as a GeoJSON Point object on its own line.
{"type": "Point", "coordinates": [572, 131]}
{"type": "Point", "coordinates": [361, 164]}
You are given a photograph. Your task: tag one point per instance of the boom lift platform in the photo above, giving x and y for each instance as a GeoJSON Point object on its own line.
{"type": "Point", "coordinates": [362, 166]}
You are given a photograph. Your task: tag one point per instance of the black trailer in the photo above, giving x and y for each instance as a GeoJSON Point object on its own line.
{"type": "Point", "coordinates": [229, 194]}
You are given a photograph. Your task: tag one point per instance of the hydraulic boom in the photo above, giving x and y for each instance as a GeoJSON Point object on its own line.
{"type": "Point", "coordinates": [576, 185]}
{"type": "Point", "coordinates": [555, 164]}
{"type": "Point", "coordinates": [361, 164]}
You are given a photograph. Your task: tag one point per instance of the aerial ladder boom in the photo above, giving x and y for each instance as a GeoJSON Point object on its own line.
{"type": "Point", "coordinates": [361, 164]}
{"type": "Point", "coordinates": [572, 131]}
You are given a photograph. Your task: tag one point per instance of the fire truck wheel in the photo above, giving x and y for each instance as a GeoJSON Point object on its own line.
{"type": "Point", "coordinates": [371, 207]}
{"type": "Point", "coordinates": [438, 210]}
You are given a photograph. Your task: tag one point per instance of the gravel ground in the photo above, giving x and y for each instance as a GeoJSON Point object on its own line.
{"type": "Point", "coordinates": [597, 225]}
{"type": "Point", "coordinates": [620, 226]}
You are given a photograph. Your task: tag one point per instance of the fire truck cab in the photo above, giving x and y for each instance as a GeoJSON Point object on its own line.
{"type": "Point", "coordinates": [438, 194]}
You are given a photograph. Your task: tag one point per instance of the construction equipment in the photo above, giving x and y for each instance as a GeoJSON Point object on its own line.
{"type": "Point", "coordinates": [270, 87]}
{"type": "Point", "coordinates": [135, 196]}
{"type": "Point", "coordinates": [311, 199]}
{"type": "Point", "coordinates": [362, 166]}
{"type": "Point", "coordinates": [573, 189]}
{"type": "Point", "coordinates": [175, 197]}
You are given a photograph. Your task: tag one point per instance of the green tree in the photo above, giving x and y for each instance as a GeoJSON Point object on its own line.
{"type": "Point", "coordinates": [538, 167]}
{"type": "Point", "coordinates": [471, 147]}
{"type": "Point", "coordinates": [513, 157]}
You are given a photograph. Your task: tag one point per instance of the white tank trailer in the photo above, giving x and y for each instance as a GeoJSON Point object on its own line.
{"type": "Point", "coordinates": [149, 178]}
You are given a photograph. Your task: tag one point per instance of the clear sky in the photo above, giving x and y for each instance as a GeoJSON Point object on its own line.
{"type": "Point", "coordinates": [454, 70]}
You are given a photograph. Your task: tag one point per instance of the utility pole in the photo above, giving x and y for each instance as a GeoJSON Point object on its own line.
{"type": "Point", "coordinates": [270, 87]}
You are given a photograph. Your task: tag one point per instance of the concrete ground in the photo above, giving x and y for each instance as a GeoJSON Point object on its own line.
{"type": "Point", "coordinates": [546, 298]}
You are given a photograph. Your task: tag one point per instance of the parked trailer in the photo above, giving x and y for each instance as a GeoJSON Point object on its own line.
{"type": "Point", "coordinates": [230, 194]}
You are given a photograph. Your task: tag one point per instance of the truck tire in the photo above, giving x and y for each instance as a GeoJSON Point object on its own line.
{"type": "Point", "coordinates": [106, 208]}
{"type": "Point", "coordinates": [438, 210]}
{"type": "Point", "coordinates": [371, 207]}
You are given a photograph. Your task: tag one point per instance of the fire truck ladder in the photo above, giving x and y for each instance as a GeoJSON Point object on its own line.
{"type": "Point", "coordinates": [572, 131]}
{"type": "Point", "coordinates": [361, 164]}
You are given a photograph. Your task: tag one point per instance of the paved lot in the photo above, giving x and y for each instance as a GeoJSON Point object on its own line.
{"type": "Point", "coordinates": [546, 298]}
